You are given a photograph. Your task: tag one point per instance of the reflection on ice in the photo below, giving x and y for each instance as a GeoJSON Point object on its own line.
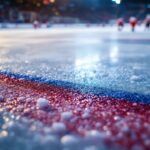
{"type": "Point", "coordinates": [114, 54]}
{"type": "Point", "coordinates": [85, 68]}
{"type": "Point", "coordinates": [87, 56]}
{"type": "Point", "coordinates": [86, 61]}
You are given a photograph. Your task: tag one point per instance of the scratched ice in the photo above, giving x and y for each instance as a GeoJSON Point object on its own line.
{"type": "Point", "coordinates": [90, 57]}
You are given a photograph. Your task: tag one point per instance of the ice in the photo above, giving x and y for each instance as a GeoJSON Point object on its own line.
{"type": "Point", "coordinates": [70, 140]}
{"type": "Point", "coordinates": [135, 78]}
{"type": "Point", "coordinates": [1, 99]}
{"type": "Point", "coordinates": [94, 136]}
{"type": "Point", "coordinates": [42, 103]}
{"type": "Point", "coordinates": [29, 100]}
{"type": "Point", "coordinates": [137, 147]}
{"type": "Point", "coordinates": [147, 142]}
{"type": "Point", "coordinates": [59, 127]}
{"type": "Point", "coordinates": [79, 55]}
{"type": "Point", "coordinates": [116, 118]}
{"type": "Point", "coordinates": [86, 114]}
{"type": "Point", "coordinates": [66, 115]}
{"type": "Point", "coordinates": [110, 119]}
{"type": "Point", "coordinates": [21, 99]}
{"type": "Point", "coordinates": [16, 133]}
{"type": "Point", "coordinates": [93, 60]}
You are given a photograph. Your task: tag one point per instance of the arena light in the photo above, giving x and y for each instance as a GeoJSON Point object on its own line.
{"type": "Point", "coordinates": [117, 1]}
{"type": "Point", "coordinates": [46, 2]}
{"type": "Point", "coordinates": [52, 1]}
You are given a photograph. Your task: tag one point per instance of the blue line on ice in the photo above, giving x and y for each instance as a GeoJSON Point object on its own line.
{"type": "Point", "coordinates": [123, 95]}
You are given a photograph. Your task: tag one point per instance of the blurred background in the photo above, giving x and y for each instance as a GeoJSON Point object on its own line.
{"type": "Point", "coordinates": [72, 11]}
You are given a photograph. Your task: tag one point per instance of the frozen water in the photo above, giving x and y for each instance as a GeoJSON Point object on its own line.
{"type": "Point", "coordinates": [70, 140]}
{"type": "Point", "coordinates": [94, 135]}
{"type": "Point", "coordinates": [20, 133]}
{"type": "Point", "coordinates": [59, 127]}
{"type": "Point", "coordinates": [66, 115]}
{"type": "Point", "coordinates": [93, 57]}
{"type": "Point", "coordinates": [96, 119]}
{"type": "Point", "coordinates": [1, 98]}
{"type": "Point", "coordinates": [42, 103]}
{"type": "Point", "coordinates": [86, 114]}
{"type": "Point", "coordinates": [17, 133]}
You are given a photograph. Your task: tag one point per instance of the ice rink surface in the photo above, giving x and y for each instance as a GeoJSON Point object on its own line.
{"type": "Point", "coordinates": [100, 60]}
{"type": "Point", "coordinates": [70, 88]}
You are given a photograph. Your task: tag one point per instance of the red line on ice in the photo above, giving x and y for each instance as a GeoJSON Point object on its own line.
{"type": "Point", "coordinates": [125, 123]}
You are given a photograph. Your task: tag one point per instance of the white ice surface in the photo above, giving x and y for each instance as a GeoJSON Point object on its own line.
{"type": "Point", "coordinates": [94, 56]}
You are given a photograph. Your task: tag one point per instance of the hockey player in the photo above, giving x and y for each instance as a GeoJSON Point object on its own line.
{"type": "Point", "coordinates": [133, 23]}
{"type": "Point", "coordinates": [120, 24]}
{"type": "Point", "coordinates": [147, 22]}
{"type": "Point", "coordinates": [36, 24]}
